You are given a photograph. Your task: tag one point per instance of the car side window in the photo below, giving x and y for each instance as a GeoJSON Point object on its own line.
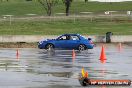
{"type": "Point", "coordinates": [62, 38]}
{"type": "Point", "coordinates": [74, 38]}
{"type": "Point", "coordinates": [68, 37]}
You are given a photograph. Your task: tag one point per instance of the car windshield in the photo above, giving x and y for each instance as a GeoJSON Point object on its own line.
{"type": "Point", "coordinates": [64, 37]}
{"type": "Point", "coordinates": [58, 37]}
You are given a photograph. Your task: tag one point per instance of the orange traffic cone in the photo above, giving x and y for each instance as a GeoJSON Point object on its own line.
{"type": "Point", "coordinates": [73, 54]}
{"type": "Point", "coordinates": [103, 56]}
{"type": "Point", "coordinates": [103, 61]}
{"type": "Point", "coordinates": [86, 74]}
{"type": "Point", "coordinates": [120, 47]}
{"type": "Point", "coordinates": [103, 87]}
{"type": "Point", "coordinates": [17, 54]}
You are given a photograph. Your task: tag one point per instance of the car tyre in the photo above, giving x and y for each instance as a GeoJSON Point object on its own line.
{"type": "Point", "coordinates": [81, 47]}
{"type": "Point", "coordinates": [50, 47]}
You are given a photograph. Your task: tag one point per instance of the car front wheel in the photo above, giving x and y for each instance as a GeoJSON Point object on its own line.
{"type": "Point", "coordinates": [81, 47]}
{"type": "Point", "coordinates": [49, 46]}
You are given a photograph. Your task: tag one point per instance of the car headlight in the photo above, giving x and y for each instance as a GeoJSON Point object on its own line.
{"type": "Point", "coordinates": [40, 42]}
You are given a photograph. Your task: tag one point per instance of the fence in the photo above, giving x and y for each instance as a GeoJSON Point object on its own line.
{"type": "Point", "coordinates": [91, 16]}
{"type": "Point", "coordinates": [37, 38]}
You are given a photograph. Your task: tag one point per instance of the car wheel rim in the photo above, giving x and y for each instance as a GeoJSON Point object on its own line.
{"type": "Point", "coordinates": [81, 48]}
{"type": "Point", "coordinates": [49, 47]}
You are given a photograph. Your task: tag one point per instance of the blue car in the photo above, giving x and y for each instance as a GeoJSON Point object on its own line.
{"type": "Point", "coordinates": [67, 41]}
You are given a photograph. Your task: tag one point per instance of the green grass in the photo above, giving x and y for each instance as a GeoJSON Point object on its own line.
{"type": "Point", "coordinates": [68, 26]}
{"type": "Point", "coordinates": [21, 7]}
{"type": "Point", "coordinates": [101, 6]}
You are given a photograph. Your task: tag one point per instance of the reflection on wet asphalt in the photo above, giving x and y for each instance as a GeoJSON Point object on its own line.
{"type": "Point", "coordinates": [37, 68]}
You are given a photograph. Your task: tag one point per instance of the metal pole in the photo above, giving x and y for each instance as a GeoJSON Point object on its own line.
{"type": "Point", "coordinates": [74, 18]}
{"type": "Point", "coordinates": [91, 17]}
{"type": "Point", "coordinates": [10, 19]}
{"type": "Point", "coordinates": [131, 16]}
{"type": "Point", "coordinates": [111, 16]}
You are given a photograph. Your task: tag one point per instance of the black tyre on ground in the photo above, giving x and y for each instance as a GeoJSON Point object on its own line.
{"type": "Point", "coordinates": [81, 47]}
{"type": "Point", "coordinates": [49, 46]}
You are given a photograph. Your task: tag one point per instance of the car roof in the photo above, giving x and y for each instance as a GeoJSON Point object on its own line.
{"type": "Point", "coordinates": [80, 36]}
{"type": "Point", "coordinates": [70, 34]}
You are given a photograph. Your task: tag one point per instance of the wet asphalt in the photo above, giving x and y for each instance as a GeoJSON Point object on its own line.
{"type": "Point", "coordinates": [36, 68]}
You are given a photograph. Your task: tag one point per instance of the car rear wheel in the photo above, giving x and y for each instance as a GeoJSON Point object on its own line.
{"type": "Point", "coordinates": [81, 47]}
{"type": "Point", "coordinates": [49, 46]}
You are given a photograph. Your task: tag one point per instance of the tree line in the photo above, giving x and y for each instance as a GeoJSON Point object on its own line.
{"type": "Point", "coordinates": [49, 4]}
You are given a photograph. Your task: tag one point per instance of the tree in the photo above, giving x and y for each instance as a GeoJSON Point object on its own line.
{"type": "Point", "coordinates": [86, 1]}
{"type": "Point", "coordinates": [67, 4]}
{"type": "Point", "coordinates": [3, 0]}
{"type": "Point", "coordinates": [48, 5]}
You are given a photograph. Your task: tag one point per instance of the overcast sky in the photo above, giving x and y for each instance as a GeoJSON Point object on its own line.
{"type": "Point", "coordinates": [110, 0]}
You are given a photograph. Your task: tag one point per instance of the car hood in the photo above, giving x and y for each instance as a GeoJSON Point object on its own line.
{"type": "Point", "coordinates": [49, 39]}
{"type": "Point", "coordinates": [45, 40]}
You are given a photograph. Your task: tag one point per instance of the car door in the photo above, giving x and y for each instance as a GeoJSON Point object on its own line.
{"type": "Point", "coordinates": [61, 42]}
{"type": "Point", "coordinates": [74, 42]}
